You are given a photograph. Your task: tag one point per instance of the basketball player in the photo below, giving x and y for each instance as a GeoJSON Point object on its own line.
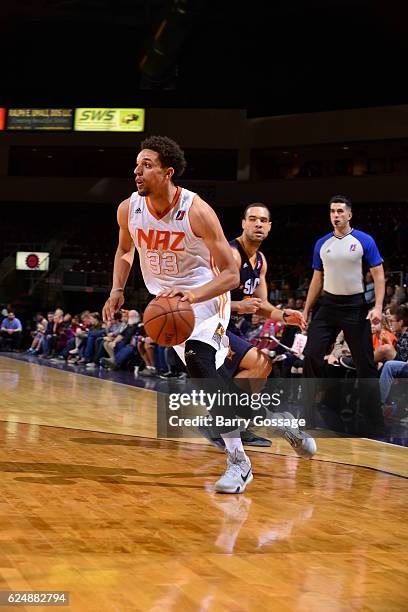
{"type": "Point", "coordinates": [183, 251]}
{"type": "Point", "coordinates": [252, 295]}
{"type": "Point", "coordinates": [243, 359]}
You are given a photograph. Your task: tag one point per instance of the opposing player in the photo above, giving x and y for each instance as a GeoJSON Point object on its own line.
{"type": "Point", "coordinates": [244, 360]}
{"type": "Point", "coordinates": [182, 250]}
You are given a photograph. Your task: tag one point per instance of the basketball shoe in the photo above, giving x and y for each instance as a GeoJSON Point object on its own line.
{"type": "Point", "coordinates": [303, 444]}
{"type": "Point", "coordinates": [238, 474]}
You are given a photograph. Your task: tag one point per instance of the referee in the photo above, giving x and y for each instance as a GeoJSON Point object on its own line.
{"type": "Point", "coordinates": [338, 269]}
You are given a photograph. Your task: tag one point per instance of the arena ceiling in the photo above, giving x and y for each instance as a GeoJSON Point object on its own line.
{"type": "Point", "coordinates": [269, 57]}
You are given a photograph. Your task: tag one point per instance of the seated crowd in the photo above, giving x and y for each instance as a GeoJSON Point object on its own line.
{"type": "Point", "coordinates": [85, 340]}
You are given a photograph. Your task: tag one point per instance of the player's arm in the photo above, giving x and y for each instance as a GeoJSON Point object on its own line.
{"type": "Point", "coordinates": [122, 263]}
{"type": "Point", "coordinates": [247, 305]}
{"type": "Point", "coordinates": [267, 310]}
{"type": "Point", "coordinates": [315, 289]}
{"type": "Point", "coordinates": [379, 290]}
{"type": "Point", "coordinates": [205, 224]}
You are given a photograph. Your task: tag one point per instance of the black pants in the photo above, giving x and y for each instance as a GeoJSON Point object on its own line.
{"type": "Point", "coordinates": [13, 340]}
{"type": "Point", "coordinates": [337, 313]}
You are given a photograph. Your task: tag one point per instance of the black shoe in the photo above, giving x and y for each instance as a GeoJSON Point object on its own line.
{"type": "Point", "coordinates": [207, 433]}
{"type": "Point", "coordinates": [107, 363]}
{"type": "Point", "coordinates": [168, 375]}
{"type": "Point", "coordinates": [347, 362]}
{"type": "Point", "coordinates": [249, 438]}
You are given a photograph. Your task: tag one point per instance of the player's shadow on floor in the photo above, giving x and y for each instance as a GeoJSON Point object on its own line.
{"type": "Point", "coordinates": [68, 474]}
{"type": "Point", "coordinates": [144, 443]}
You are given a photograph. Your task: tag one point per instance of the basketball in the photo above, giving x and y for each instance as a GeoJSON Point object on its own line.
{"type": "Point", "coordinates": [168, 320]}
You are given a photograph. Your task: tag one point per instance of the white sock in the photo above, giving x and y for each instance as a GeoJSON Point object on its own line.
{"type": "Point", "coordinates": [233, 442]}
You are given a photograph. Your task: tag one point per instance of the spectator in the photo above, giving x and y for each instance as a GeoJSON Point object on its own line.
{"type": "Point", "coordinates": [11, 331]}
{"type": "Point", "coordinates": [341, 353]}
{"type": "Point", "coordinates": [52, 339]}
{"type": "Point", "coordinates": [399, 325]}
{"type": "Point", "coordinates": [64, 335]}
{"type": "Point", "coordinates": [398, 366]}
{"type": "Point", "coordinates": [38, 334]}
{"type": "Point", "coordinates": [108, 334]}
{"type": "Point", "coordinates": [175, 366]}
{"type": "Point", "coordinates": [145, 347]}
{"type": "Point", "coordinates": [93, 331]}
{"type": "Point", "coordinates": [81, 333]}
{"type": "Point", "coordinates": [48, 332]}
{"type": "Point", "coordinates": [124, 345]}
{"type": "Point", "coordinates": [384, 341]}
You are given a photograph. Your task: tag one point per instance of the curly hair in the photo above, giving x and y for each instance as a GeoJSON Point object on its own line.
{"type": "Point", "coordinates": [170, 154]}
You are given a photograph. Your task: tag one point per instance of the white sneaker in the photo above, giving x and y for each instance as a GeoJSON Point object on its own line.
{"type": "Point", "coordinates": [238, 474]}
{"type": "Point", "coordinates": [303, 444]}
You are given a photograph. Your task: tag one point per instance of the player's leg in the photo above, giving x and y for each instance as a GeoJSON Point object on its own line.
{"type": "Point", "coordinates": [200, 360]}
{"type": "Point", "coordinates": [246, 362]}
{"type": "Point", "coordinates": [321, 335]}
{"type": "Point", "coordinates": [202, 353]}
{"type": "Point", "coordinates": [357, 332]}
{"type": "Point", "coordinates": [256, 366]}
{"type": "Point", "coordinates": [254, 363]}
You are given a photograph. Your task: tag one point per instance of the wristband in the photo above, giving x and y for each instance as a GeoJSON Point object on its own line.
{"type": "Point", "coordinates": [119, 289]}
{"type": "Point", "coordinates": [191, 295]}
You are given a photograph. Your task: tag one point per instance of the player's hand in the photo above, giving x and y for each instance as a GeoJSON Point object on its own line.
{"type": "Point", "coordinates": [249, 306]}
{"type": "Point", "coordinates": [186, 296]}
{"type": "Point", "coordinates": [375, 315]}
{"type": "Point", "coordinates": [112, 305]}
{"type": "Point", "coordinates": [294, 317]}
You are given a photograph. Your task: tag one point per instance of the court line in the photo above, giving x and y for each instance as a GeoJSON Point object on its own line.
{"type": "Point", "coordinates": [88, 376]}
{"type": "Point", "coordinates": [195, 443]}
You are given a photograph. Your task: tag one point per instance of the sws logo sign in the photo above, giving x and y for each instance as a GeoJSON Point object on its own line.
{"type": "Point", "coordinates": [97, 115]}
{"type": "Point", "coordinates": [109, 119]}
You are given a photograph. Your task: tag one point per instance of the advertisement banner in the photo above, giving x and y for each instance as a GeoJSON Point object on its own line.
{"type": "Point", "coordinates": [2, 118]}
{"type": "Point", "coordinates": [40, 118]}
{"type": "Point", "coordinates": [32, 260]}
{"type": "Point", "coordinates": [109, 119]}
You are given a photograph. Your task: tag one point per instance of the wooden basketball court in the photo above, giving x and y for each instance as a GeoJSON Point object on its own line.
{"type": "Point", "coordinates": [92, 503]}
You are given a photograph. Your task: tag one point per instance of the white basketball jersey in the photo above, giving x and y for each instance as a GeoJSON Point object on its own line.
{"type": "Point", "coordinates": [170, 254]}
